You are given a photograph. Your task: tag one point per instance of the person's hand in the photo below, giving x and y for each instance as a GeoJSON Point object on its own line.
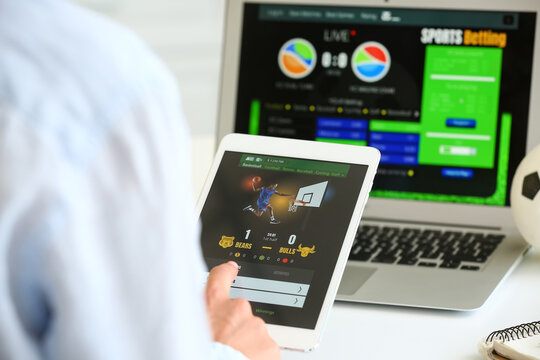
{"type": "Point", "coordinates": [232, 320]}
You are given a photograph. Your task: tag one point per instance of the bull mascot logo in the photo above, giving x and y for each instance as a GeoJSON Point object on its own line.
{"type": "Point", "coordinates": [226, 241]}
{"type": "Point", "coordinates": [305, 251]}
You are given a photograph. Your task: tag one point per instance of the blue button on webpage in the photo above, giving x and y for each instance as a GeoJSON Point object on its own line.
{"type": "Point", "coordinates": [336, 123]}
{"type": "Point", "coordinates": [386, 137]}
{"type": "Point", "coordinates": [396, 148]}
{"type": "Point", "coordinates": [341, 134]}
{"type": "Point", "coordinates": [461, 123]}
{"type": "Point", "coordinates": [398, 159]}
{"type": "Point", "coordinates": [457, 173]}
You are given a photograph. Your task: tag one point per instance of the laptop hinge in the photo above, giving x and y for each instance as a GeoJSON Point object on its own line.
{"type": "Point", "coordinates": [424, 223]}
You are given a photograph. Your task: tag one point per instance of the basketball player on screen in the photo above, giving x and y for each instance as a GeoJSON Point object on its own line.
{"type": "Point", "coordinates": [263, 202]}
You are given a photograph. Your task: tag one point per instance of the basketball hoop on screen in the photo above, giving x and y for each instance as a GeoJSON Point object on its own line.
{"type": "Point", "coordinates": [294, 204]}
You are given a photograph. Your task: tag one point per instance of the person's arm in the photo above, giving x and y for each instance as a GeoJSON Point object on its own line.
{"type": "Point", "coordinates": [102, 258]}
{"type": "Point", "coordinates": [103, 264]}
{"type": "Point", "coordinates": [282, 194]}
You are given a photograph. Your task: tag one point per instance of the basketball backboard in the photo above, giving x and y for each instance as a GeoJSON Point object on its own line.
{"type": "Point", "coordinates": [312, 195]}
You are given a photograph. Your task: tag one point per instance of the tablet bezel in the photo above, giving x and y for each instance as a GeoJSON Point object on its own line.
{"type": "Point", "coordinates": [286, 336]}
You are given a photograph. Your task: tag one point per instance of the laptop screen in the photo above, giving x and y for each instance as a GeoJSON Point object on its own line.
{"type": "Point", "coordinates": [443, 94]}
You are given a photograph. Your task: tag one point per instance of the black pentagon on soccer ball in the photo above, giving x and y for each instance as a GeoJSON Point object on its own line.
{"type": "Point", "coordinates": [531, 185]}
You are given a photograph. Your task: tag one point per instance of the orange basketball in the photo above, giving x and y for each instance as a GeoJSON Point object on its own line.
{"type": "Point", "coordinates": [256, 179]}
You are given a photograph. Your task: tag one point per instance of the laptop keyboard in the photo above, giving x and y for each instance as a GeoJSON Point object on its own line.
{"type": "Point", "coordinates": [424, 247]}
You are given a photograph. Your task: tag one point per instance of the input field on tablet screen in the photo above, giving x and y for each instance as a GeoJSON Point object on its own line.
{"type": "Point", "coordinates": [269, 291]}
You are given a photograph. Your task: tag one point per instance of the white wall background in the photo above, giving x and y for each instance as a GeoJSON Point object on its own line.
{"type": "Point", "coordinates": [187, 35]}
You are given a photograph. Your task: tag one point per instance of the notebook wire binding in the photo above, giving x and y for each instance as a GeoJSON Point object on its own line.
{"type": "Point", "coordinates": [515, 332]}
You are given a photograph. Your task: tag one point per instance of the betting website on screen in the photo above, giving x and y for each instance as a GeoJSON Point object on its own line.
{"type": "Point", "coordinates": [283, 220]}
{"type": "Point", "coordinates": [443, 94]}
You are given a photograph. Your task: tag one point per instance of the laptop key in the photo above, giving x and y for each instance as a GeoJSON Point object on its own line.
{"type": "Point", "coordinates": [361, 255]}
{"type": "Point", "coordinates": [384, 260]}
{"type": "Point", "coordinates": [494, 238]}
{"type": "Point", "coordinates": [479, 259]}
{"type": "Point", "coordinates": [450, 264]}
{"type": "Point", "coordinates": [408, 261]}
{"type": "Point", "coordinates": [427, 264]}
{"type": "Point", "coordinates": [470, 267]}
{"type": "Point", "coordinates": [486, 253]}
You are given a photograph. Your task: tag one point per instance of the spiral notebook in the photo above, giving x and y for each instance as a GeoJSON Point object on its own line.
{"type": "Point", "coordinates": [521, 342]}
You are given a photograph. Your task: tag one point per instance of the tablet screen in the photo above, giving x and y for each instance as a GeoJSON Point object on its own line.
{"type": "Point", "coordinates": [283, 220]}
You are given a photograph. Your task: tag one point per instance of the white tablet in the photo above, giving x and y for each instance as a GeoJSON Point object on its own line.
{"type": "Point", "coordinates": [287, 212]}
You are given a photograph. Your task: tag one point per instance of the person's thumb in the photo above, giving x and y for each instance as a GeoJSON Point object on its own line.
{"type": "Point", "coordinates": [219, 282]}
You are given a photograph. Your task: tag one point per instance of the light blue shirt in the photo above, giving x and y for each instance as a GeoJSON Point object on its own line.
{"type": "Point", "coordinates": [98, 253]}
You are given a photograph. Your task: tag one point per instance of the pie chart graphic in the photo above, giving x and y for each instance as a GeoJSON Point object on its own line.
{"type": "Point", "coordinates": [370, 61]}
{"type": "Point", "coordinates": [297, 58]}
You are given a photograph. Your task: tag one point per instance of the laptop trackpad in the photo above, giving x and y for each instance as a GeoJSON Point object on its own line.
{"type": "Point", "coordinates": [353, 278]}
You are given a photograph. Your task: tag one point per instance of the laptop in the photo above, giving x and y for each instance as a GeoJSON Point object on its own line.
{"type": "Point", "coordinates": [443, 89]}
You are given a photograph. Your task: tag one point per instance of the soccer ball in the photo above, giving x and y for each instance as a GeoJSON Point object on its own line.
{"type": "Point", "coordinates": [525, 197]}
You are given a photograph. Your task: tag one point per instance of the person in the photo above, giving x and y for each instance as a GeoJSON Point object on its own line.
{"type": "Point", "coordinates": [263, 202]}
{"type": "Point", "coordinates": [99, 258]}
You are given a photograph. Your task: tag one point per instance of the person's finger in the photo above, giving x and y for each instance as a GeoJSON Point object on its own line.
{"type": "Point", "coordinates": [220, 280]}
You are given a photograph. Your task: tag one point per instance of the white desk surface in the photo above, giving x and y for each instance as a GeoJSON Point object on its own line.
{"type": "Point", "coordinates": [364, 331]}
